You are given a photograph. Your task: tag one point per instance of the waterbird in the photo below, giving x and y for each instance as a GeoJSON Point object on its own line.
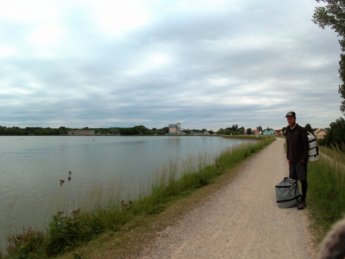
{"type": "Point", "coordinates": [62, 181]}
{"type": "Point", "coordinates": [69, 178]}
{"type": "Point", "coordinates": [69, 172]}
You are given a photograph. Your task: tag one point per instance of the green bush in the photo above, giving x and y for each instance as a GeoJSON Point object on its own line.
{"type": "Point", "coordinates": [63, 232]}
{"type": "Point", "coordinates": [336, 135]}
{"type": "Point", "coordinates": [28, 244]}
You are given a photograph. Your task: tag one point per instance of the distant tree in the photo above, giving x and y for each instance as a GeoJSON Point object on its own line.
{"type": "Point", "coordinates": [249, 131]}
{"type": "Point", "coordinates": [234, 128]}
{"type": "Point", "coordinates": [221, 131]}
{"type": "Point", "coordinates": [62, 131]}
{"type": "Point", "coordinates": [332, 14]}
{"type": "Point", "coordinates": [187, 131]}
{"type": "Point", "coordinates": [136, 130]}
{"type": "Point", "coordinates": [336, 134]}
{"type": "Point", "coordinates": [107, 131]}
{"type": "Point", "coordinates": [259, 128]}
{"type": "Point", "coordinates": [164, 131]}
{"type": "Point", "coordinates": [309, 128]}
{"type": "Point", "coordinates": [241, 131]}
{"type": "Point", "coordinates": [284, 130]}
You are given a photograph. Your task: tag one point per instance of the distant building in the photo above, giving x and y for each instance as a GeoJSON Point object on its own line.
{"type": "Point", "coordinates": [256, 132]}
{"type": "Point", "coordinates": [278, 132]}
{"type": "Point", "coordinates": [268, 132]}
{"type": "Point", "coordinates": [81, 132]}
{"type": "Point", "coordinates": [320, 133]}
{"type": "Point", "coordinates": [175, 129]}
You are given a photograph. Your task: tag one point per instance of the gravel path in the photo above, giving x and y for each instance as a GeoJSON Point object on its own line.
{"type": "Point", "coordinates": [241, 220]}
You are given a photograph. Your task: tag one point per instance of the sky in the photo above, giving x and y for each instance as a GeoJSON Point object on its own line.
{"type": "Point", "coordinates": [206, 64]}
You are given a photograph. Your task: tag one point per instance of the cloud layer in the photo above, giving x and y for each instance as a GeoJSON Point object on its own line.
{"type": "Point", "coordinates": [206, 64]}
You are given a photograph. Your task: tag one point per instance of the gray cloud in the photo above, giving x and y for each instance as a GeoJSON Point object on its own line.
{"type": "Point", "coordinates": [209, 66]}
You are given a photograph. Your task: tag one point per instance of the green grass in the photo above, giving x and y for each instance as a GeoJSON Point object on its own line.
{"type": "Point", "coordinates": [326, 191]}
{"type": "Point", "coordinates": [67, 232]}
{"type": "Point", "coordinates": [247, 136]}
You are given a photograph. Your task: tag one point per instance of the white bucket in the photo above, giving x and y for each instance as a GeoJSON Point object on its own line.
{"type": "Point", "coordinates": [313, 148]}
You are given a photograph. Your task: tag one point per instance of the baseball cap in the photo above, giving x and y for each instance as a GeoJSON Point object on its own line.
{"type": "Point", "coordinates": [291, 113]}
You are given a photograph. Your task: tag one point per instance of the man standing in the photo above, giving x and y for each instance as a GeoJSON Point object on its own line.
{"type": "Point", "coordinates": [297, 154]}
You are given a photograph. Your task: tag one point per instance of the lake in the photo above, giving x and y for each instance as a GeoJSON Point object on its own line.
{"type": "Point", "coordinates": [103, 169]}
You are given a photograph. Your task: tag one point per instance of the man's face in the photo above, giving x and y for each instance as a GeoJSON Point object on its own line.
{"type": "Point", "coordinates": [291, 120]}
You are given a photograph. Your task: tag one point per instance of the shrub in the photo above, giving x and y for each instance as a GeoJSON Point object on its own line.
{"type": "Point", "coordinates": [28, 244]}
{"type": "Point", "coordinates": [63, 233]}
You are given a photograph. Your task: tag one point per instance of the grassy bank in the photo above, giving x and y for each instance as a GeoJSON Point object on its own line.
{"type": "Point", "coordinates": [261, 137]}
{"type": "Point", "coordinates": [326, 193]}
{"type": "Point", "coordinates": [67, 232]}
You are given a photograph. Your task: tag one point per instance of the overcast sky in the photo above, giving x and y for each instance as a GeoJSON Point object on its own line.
{"type": "Point", "coordinates": [204, 63]}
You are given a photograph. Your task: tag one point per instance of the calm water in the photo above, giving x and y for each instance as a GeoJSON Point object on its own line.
{"type": "Point", "coordinates": [102, 168]}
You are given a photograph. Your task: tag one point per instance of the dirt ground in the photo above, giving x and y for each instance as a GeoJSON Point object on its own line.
{"type": "Point", "coordinates": [241, 220]}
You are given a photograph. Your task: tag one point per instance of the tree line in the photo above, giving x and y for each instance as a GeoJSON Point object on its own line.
{"type": "Point", "coordinates": [11, 131]}
{"type": "Point", "coordinates": [139, 130]}
{"type": "Point", "coordinates": [41, 131]}
{"type": "Point", "coordinates": [236, 130]}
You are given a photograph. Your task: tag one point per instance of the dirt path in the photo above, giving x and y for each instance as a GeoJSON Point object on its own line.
{"type": "Point", "coordinates": [241, 220]}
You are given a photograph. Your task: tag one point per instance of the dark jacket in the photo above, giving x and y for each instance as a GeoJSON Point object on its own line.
{"type": "Point", "coordinates": [297, 144]}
